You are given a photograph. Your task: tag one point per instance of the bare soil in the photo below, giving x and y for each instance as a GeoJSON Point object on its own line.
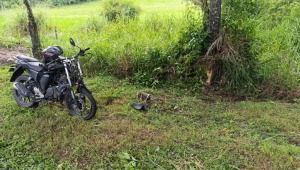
{"type": "Point", "coordinates": [7, 56]}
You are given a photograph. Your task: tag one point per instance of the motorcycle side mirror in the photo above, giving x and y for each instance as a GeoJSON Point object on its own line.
{"type": "Point", "coordinates": [72, 42]}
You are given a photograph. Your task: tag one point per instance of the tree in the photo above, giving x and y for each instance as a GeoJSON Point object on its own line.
{"type": "Point", "coordinates": [34, 33]}
{"type": "Point", "coordinates": [214, 19]}
{"type": "Point", "coordinates": [212, 23]}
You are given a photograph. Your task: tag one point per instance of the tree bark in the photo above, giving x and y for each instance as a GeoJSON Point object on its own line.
{"type": "Point", "coordinates": [34, 33]}
{"type": "Point", "coordinates": [214, 29]}
{"type": "Point", "coordinates": [214, 19]}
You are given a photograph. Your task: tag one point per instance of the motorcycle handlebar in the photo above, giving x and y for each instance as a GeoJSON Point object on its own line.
{"type": "Point", "coordinates": [81, 52]}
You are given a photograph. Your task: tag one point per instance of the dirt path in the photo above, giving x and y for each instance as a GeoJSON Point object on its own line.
{"type": "Point", "coordinates": [7, 55]}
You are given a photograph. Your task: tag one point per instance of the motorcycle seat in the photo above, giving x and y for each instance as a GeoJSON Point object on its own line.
{"type": "Point", "coordinates": [37, 66]}
{"type": "Point", "coordinates": [26, 59]}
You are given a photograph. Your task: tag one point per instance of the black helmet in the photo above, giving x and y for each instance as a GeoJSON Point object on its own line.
{"type": "Point", "coordinates": [51, 53]}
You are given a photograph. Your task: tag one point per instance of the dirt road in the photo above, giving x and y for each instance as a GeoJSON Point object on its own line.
{"type": "Point", "coordinates": [7, 55]}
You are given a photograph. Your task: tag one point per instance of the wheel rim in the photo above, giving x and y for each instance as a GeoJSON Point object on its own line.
{"type": "Point", "coordinates": [83, 107]}
{"type": "Point", "coordinates": [22, 99]}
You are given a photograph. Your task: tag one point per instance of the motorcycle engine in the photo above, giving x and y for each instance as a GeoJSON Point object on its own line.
{"type": "Point", "coordinates": [52, 93]}
{"type": "Point", "coordinates": [57, 92]}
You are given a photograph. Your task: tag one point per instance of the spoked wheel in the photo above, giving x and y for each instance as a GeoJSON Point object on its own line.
{"type": "Point", "coordinates": [20, 99]}
{"type": "Point", "coordinates": [85, 106]}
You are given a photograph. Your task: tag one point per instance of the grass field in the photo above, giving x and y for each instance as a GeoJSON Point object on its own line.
{"type": "Point", "coordinates": [68, 19]}
{"type": "Point", "coordinates": [123, 45]}
{"type": "Point", "coordinates": [181, 130]}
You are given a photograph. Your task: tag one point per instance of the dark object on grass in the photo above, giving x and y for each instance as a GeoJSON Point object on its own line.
{"type": "Point", "coordinates": [145, 97]}
{"type": "Point", "coordinates": [143, 106]}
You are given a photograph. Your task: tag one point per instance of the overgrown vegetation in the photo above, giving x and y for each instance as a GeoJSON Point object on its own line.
{"type": "Point", "coordinates": [120, 9]}
{"type": "Point", "coordinates": [181, 130]}
{"type": "Point", "coordinates": [170, 47]}
{"type": "Point", "coordinates": [260, 49]}
{"type": "Point", "coordinates": [17, 3]}
{"type": "Point", "coordinates": [20, 23]}
{"type": "Point", "coordinates": [238, 63]}
{"type": "Point", "coordinates": [277, 45]}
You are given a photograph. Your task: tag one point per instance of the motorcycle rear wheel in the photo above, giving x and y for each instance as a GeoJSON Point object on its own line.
{"type": "Point", "coordinates": [25, 102]}
{"type": "Point", "coordinates": [86, 105]}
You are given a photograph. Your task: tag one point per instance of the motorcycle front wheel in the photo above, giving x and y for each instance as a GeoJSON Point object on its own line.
{"type": "Point", "coordinates": [85, 105]}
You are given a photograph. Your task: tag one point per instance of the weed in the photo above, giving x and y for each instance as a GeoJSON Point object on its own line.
{"type": "Point", "coordinates": [120, 10]}
{"type": "Point", "coordinates": [179, 130]}
{"type": "Point", "coordinates": [20, 23]}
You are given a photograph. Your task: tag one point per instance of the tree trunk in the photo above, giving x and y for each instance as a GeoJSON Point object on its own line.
{"type": "Point", "coordinates": [214, 19]}
{"type": "Point", "coordinates": [214, 29]}
{"type": "Point", "coordinates": [34, 33]}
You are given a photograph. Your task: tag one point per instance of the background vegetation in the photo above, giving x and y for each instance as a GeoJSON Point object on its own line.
{"type": "Point", "coordinates": [155, 42]}
{"type": "Point", "coordinates": [17, 3]}
{"type": "Point", "coordinates": [181, 130]}
{"type": "Point", "coordinates": [161, 45]}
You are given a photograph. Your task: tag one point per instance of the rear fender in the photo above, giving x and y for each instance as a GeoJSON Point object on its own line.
{"type": "Point", "coordinates": [17, 72]}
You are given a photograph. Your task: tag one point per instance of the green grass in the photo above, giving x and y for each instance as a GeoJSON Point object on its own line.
{"type": "Point", "coordinates": [74, 16]}
{"type": "Point", "coordinates": [69, 20]}
{"type": "Point", "coordinates": [181, 130]}
{"type": "Point", "coordinates": [123, 45]}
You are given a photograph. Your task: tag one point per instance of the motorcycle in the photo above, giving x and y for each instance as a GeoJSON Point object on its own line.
{"type": "Point", "coordinates": [58, 79]}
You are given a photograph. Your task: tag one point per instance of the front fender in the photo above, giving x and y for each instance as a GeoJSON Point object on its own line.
{"type": "Point", "coordinates": [17, 72]}
{"type": "Point", "coordinates": [81, 86]}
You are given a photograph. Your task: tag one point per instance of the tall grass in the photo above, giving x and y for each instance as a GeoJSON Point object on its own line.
{"type": "Point", "coordinates": [278, 43]}
{"type": "Point", "coordinates": [17, 3]}
{"type": "Point", "coordinates": [165, 44]}
{"type": "Point", "coordinates": [139, 49]}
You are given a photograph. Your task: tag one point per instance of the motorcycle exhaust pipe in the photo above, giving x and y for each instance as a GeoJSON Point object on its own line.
{"type": "Point", "coordinates": [23, 90]}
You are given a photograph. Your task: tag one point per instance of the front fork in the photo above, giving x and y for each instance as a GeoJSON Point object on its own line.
{"type": "Point", "coordinates": [69, 81]}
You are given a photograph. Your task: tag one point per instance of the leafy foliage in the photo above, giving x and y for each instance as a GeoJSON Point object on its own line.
{"type": "Point", "coordinates": [191, 46]}
{"type": "Point", "coordinates": [120, 9]}
{"type": "Point", "coordinates": [15, 3]}
{"type": "Point", "coordinates": [180, 130]}
{"type": "Point", "coordinates": [259, 42]}
{"type": "Point", "coordinates": [238, 63]}
{"type": "Point", "coordinates": [277, 43]}
{"type": "Point", "coordinates": [20, 23]}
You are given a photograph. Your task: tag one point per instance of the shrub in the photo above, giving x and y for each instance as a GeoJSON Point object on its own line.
{"type": "Point", "coordinates": [16, 3]}
{"type": "Point", "coordinates": [20, 23]}
{"type": "Point", "coordinates": [190, 47]}
{"type": "Point", "coordinates": [237, 60]}
{"type": "Point", "coordinates": [95, 24]}
{"type": "Point", "coordinates": [120, 9]}
{"type": "Point", "coordinates": [277, 43]}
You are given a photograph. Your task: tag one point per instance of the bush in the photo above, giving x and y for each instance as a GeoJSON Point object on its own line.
{"type": "Point", "coordinates": [277, 43]}
{"type": "Point", "coordinates": [63, 2]}
{"type": "Point", "coordinates": [237, 60]}
{"type": "Point", "coordinates": [95, 24]}
{"type": "Point", "coordinates": [20, 23]}
{"type": "Point", "coordinates": [264, 36]}
{"type": "Point", "coordinates": [16, 3]}
{"type": "Point", "coordinates": [120, 9]}
{"type": "Point", "coordinates": [190, 47]}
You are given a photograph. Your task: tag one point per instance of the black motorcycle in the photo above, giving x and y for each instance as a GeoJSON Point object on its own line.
{"type": "Point", "coordinates": [58, 79]}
